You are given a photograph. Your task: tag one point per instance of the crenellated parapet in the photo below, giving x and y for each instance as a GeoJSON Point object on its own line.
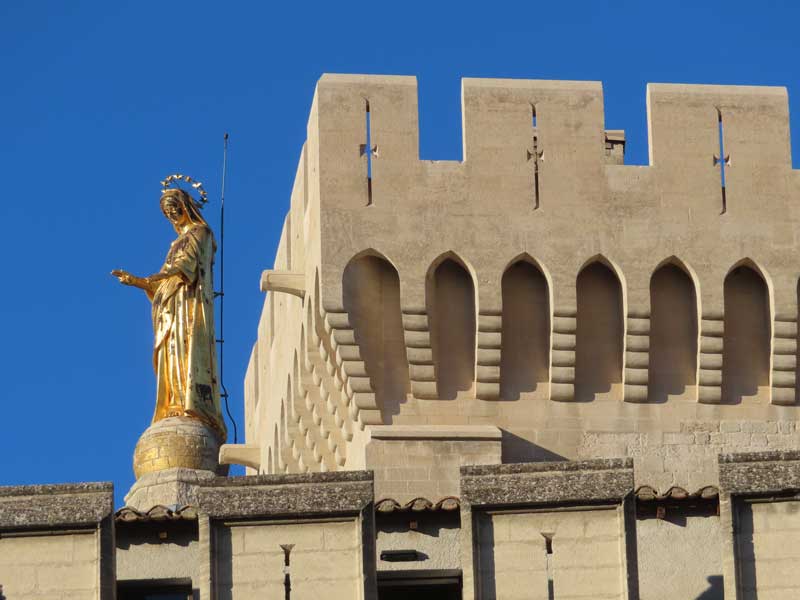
{"type": "Point", "coordinates": [539, 285]}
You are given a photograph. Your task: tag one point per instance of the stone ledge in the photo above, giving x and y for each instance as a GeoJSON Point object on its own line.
{"type": "Point", "coordinates": [435, 432]}
{"type": "Point", "coordinates": [547, 482]}
{"type": "Point", "coordinates": [294, 478]}
{"type": "Point", "coordinates": [55, 505]}
{"type": "Point", "coordinates": [770, 455]}
{"type": "Point", "coordinates": [759, 472]}
{"type": "Point", "coordinates": [309, 494]}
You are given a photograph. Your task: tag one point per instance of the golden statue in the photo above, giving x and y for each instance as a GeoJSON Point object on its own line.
{"type": "Point", "coordinates": [182, 293]}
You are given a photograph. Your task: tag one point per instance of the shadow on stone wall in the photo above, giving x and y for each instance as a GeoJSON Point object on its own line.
{"type": "Point", "coordinates": [715, 589]}
{"type": "Point", "coordinates": [518, 449]}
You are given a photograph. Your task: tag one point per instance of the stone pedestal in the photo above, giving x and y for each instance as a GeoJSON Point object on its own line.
{"type": "Point", "coordinates": [166, 488]}
{"type": "Point", "coordinates": [171, 457]}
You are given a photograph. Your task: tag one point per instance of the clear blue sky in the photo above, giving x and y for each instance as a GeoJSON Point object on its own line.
{"type": "Point", "coordinates": [100, 100]}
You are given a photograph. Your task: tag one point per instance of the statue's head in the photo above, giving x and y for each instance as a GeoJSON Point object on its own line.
{"type": "Point", "coordinates": [179, 207]}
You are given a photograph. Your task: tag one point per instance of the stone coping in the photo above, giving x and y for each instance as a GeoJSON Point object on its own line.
{"type": "Point", "coordinates": [287, 479]}
{"type": "Point", "coordinates": [759, 472]}
{"type": "Point", "coordinates": [771, 455]}
{"type": "Point", "coordinates": [56, 506]}
{"type": "Point", "coordinates": [541, 483]}
{"type": "Point", "coordinates": [599, 464]}
{"type": "Point", "coordinates": [435, 432]}
{"type": "Point", "coordinates": [308, 494]}
{"type": "Point", "coordinates": [86, 487]}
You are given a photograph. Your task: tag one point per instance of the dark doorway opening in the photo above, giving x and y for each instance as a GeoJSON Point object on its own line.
{"type": "Point", "coordinates": [419, 585]}
{"type": "Point", "coordinates": [172, 589]}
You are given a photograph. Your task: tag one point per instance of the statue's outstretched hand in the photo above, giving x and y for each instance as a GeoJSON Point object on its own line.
{"type": "Point", "coordinates": [126, 278]}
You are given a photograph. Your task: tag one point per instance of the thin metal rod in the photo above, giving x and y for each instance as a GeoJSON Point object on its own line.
{"type": "Point", "coordinates": [221, 293]}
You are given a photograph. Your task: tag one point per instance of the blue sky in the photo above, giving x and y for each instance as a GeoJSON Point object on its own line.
{"type": "Point", "coordinates": [101, 100]}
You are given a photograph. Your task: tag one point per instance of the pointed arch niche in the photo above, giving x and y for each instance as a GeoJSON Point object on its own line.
{"type": "Point", "coordinates": [673, 333]}
{"type": "Point", "coordinates": [371, 297]}
{"type": "Point", "coordinates": [525, 354]}
{"type": "Point", "coordinates": [599, 335]}
{"type": "Point", "coordinates": [746, 342]}
{"type": "Point", "coordinates": [450, 300]}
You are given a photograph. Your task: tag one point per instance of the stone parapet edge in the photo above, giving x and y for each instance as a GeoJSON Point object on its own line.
{"type": "Point", "coordinates": [303, 495]}
{"type": "Point", "coordinates": [56, 506]}
{"type": "Point", "coordinates": [547, 483]}
{"type": "Point", "coordinates": [759, 472]}
{"type": "Point", "coordinates": [435, 432]}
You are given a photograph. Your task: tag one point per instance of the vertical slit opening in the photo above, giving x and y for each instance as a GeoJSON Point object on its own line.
{"type": "Point", "coordinates": [722, 160]}
{"type": "Point", "coordinates": [536, 157]}
{"type": "Point", "coordinates": [287, 578]}
{"type": "Point", "coordinates": [368, 150]}
{"type": "Point", "coordinates": [548, 550]}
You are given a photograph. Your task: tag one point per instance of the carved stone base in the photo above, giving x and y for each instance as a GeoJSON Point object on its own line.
{"type": "Point", "coordinates": [169, 487]}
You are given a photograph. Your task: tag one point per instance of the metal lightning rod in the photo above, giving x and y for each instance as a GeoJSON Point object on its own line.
{"type": "Point", "coordinates": [221, 293]}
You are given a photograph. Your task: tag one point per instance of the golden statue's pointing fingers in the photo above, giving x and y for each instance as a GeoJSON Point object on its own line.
{"type": "Point", "coordinates": [182, 293]}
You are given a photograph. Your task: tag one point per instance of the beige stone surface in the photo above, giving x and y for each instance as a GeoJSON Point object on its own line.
{"type": "Point", "coordinates": [680, 557]}
{"type": "Point", "coordinates": [435, 537]}
{"type": "Point", "coordinates": [248, 455]}
{"type": "Point", "coordinates": [586, 561]}
{"type": "Point", "coordinates": [768, 548]}
{"type": "Point", "coordinates": [146, 556]}
{"type": "Point", "coordinates": [639, 310]}
{"type": "Point", "coordinates": [325, 561]}
{"type": "Point", "coordinates": [424, 461]}
{"type": "Point", "coordinates": [64, 566]}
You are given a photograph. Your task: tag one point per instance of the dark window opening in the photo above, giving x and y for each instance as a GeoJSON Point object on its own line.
{"type": "Point", "coordinates": [155, 590]}
{"type": "Point", "coordinates": [419, 585]}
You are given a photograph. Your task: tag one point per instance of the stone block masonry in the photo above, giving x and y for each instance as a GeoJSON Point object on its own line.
{"type": "Point", "coordinates": [412, 462]}
{"type": "Point", "coordinates": [56, 541]}
{"type": "Point", "coordinates": [585, 307]}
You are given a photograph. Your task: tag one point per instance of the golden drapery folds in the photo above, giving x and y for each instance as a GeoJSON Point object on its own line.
{"type": "Point", "coordinates": [182, 293]}
{"type": "Point", "coordinates": [184, 350]}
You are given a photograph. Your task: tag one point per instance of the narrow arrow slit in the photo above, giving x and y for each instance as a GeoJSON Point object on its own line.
{"type": "Point", "coordinates": [369, 155]}
{"type": "Point", "coordinates": [722, 160]}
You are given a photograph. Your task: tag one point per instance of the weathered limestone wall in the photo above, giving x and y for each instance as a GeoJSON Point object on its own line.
{"type": "Point", "coordinates": [57, 541]}
{"type": "Point", "coordinates": [680, 557]}
{"type": "Point", "coordinates": [760, 512]}
{"type": "Point", "coordinates": [328, 517]}
{"type": "Point", "coordinates": [545, 530]}
{"type": "Point", "coordinates": [142, 554]}
{"type": "Point", "coordinates": [325, 560]}
{"type": "Point", "coordinates": [687, 457]}
{"type": "Point", "coordinates": [58, 566]}
{"type": "Point", "coordinates": [436, 537]}
{"type": "Point", "coordinates": [768, 549]}
{"type": "Point", "coordinates": [585, 307]}
{"type": "Point", "coordinates": [585, 558]}
{"type": "Point", "coordinates": [413, 462]}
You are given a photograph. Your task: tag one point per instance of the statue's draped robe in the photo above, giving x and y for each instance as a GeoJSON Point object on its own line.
{"type": "Point", "coordinates": [184, 352]}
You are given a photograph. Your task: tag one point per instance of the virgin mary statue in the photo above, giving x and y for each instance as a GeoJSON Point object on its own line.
{"type": "Point", "coordinates": [182, 293]}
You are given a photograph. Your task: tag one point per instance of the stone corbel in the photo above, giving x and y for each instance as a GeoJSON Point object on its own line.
{"type": "Point", "coordinates": [284, 281]}
{"type": "Point", "coordinates": [248, 455]}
